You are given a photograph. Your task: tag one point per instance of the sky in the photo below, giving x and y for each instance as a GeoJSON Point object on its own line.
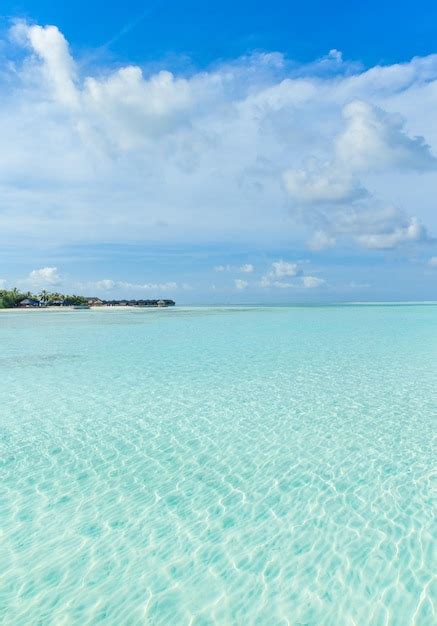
{"type": "Point", "coordinates": [228, 152]}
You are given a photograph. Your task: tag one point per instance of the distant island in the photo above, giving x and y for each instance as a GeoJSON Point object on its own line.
{"type": "Point", "coordinates": [15, 299]}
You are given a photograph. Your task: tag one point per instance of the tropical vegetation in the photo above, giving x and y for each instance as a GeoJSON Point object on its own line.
{"type": "Point", "coordinates": [11, 298]}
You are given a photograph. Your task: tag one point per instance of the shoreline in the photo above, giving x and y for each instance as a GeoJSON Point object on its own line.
{"type": "Point", "coordinates": [410, 303]}
{"type": "Point", "coordinates": [73, 308]}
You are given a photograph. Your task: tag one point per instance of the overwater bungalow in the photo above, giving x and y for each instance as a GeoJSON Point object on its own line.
{"type": "Point", "coordinates": [133, 303]}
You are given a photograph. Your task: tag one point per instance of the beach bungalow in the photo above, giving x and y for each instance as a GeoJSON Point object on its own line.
{"type": "Point", "coordinates": [29, 303]}
{"type": "Point", "coordinates": [95, 302]}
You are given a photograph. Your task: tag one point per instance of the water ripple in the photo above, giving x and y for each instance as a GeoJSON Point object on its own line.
{"type": "Point", "coordinates": [205, 468]}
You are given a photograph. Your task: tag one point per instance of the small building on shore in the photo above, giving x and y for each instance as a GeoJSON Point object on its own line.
{"type": "Point", "coordinates": [29, 303]}
{"type": "Point", "coordinates": [95, 302]}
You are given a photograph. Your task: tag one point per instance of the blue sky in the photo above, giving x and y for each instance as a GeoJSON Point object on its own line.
{"type": "Point", "coordinates": [228, 152]}
{"type": "Point", "coordinates": [202, 32]}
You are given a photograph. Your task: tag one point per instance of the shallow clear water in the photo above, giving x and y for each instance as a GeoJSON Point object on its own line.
{"type": "Point", "coordinates": [268, 466]}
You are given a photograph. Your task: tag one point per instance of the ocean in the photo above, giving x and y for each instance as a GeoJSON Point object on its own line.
{"type": "Point", "coordinates": [265, 466]}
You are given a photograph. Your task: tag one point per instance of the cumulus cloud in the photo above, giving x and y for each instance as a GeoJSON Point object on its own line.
{"type": "Point", "coordinates": [374, 139]}
{"type": "Point", "coordinates": [433, 261]}
{"type": "Point", "coordinates": [2, 283]}
{"type": "Point", "coordinates": [52, 48]}
{"type": "Point", "coordinates": [326, 182]}
{"type": "Point", "coordinates": [247, 268]}
{"type": "Point", "coordinates": [337, 55]}
{"type": "Point", "coordinates": [240, 284]}
{"type": "Point", "coordinates": [371, 226]}
{"type": "Point", "coordinates": [230, 153]}
{"type": "Point", "coordinates": [311, 282]}
{"type": "Point", "coordinates": [125, 102]}
{"type": "Point", "coordinates": [42, 278]}
{"type": "Point", "coordinates": [279, 270]}
{"type": "Point", "coordinates": [412, 231]}
{"type": "Point", "coordinates": [371, 141]}
{"type": "Point", "coordinates": [284, 268]}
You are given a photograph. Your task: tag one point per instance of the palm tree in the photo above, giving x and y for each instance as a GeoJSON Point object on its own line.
{"type": "Point", "coordinates": [11, 298]}
{"type": "Point", "coordinates": [15, 296]}
{"type": "Point", "coordinates": [44, 296]}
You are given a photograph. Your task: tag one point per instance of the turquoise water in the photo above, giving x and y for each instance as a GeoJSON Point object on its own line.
{"type": "Point", "coordinates": [265, 466]}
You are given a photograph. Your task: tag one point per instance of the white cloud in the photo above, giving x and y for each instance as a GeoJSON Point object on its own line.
{"type": "Point", "coordinates": [132, 109]}
{"type": "Point", "coordinates": [311, 282]}
{"type": "Point", "coordinates": [265, 282]}
{"type": "Point", "coordinates": [284, 268]}
{"type": "Point", "coordinates": [240, 284]}
{"type": "Point", "coordinates": [410, 232]}
{"type": "Point", "coordinates": [45, 277]}
{"type": "Point", "coordinates": [321, 241]}
{"type": "Point", "coordinates": [335, 54]}
{"type": "Point", "coordinates": [323, 183]}
{"type": "Point", "coordinates": [114, 155]}
{"type": "Point", "coordinates": [372, 141]}
{"type": "Point", "coordinates": [2, 283]}
{"type": "Point", "coordinates": [247, 268]}
{"type": "Point", "coordinates": [106, 284]}
{"type": "Point", "coordinates": [58, 66]}
{"type": "Point", "coordinates": [280, 269]}
{"type": "Point", "coordinates": [433, 261]}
